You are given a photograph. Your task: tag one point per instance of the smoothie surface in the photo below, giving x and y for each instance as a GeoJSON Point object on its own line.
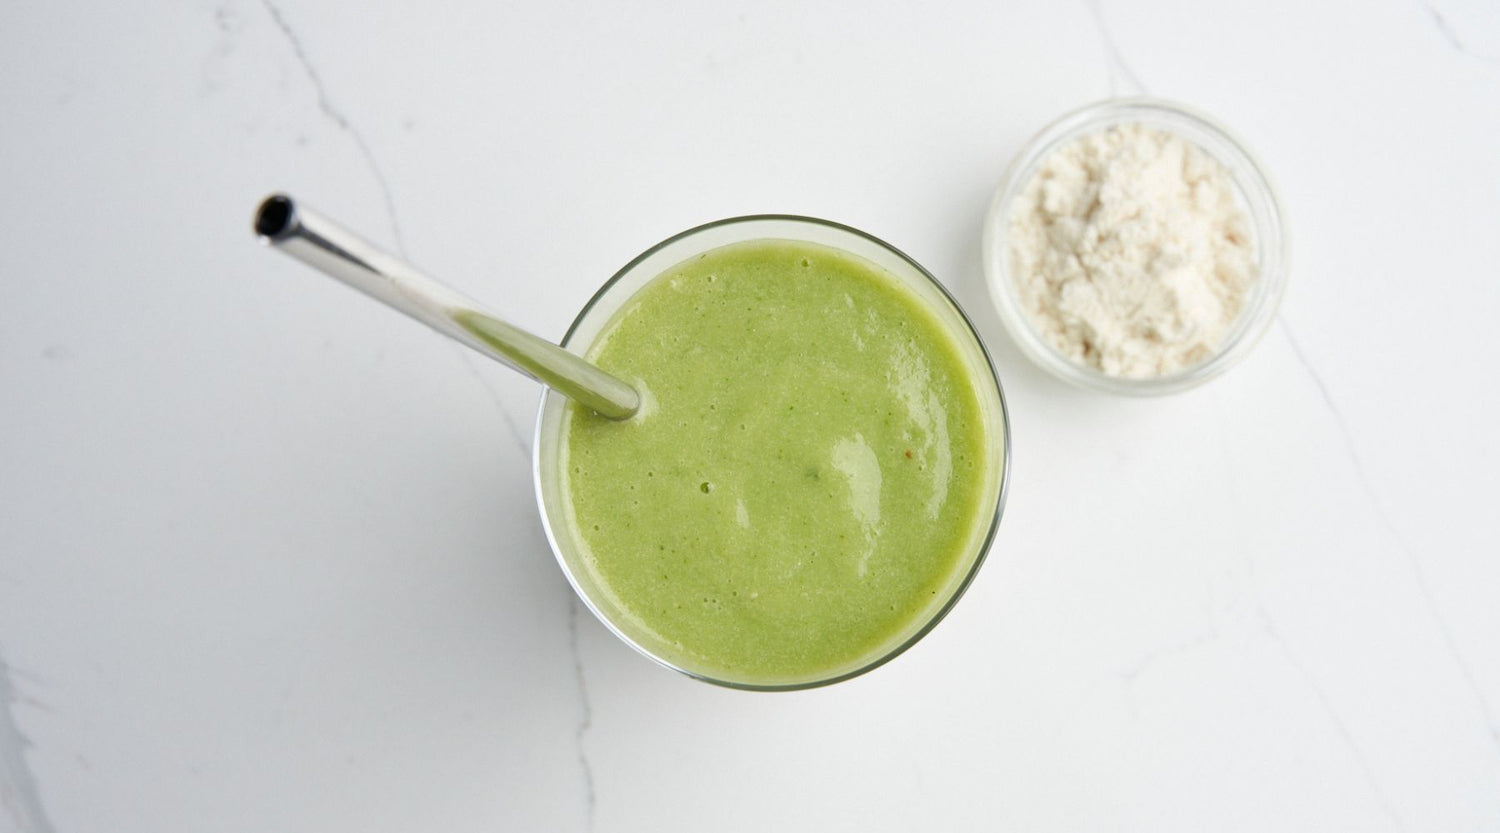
{"type": "Point", "coordinates": [807, 481]}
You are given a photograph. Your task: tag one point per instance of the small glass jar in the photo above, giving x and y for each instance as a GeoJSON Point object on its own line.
{"type": "Point", "coordinates": [1253, 191]}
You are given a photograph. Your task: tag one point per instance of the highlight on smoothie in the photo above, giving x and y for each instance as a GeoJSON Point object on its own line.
{"type": "Point", "coordinates": [812, 476]}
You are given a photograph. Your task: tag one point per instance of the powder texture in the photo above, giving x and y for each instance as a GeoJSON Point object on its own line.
{"type": "Point", "coordinates": [1130, 253]}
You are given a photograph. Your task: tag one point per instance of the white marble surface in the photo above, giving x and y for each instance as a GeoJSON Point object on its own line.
{"type": "Point", "coordinates": [269, 557]}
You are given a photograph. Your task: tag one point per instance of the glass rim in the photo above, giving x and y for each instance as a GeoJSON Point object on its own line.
{"type": "Point", "coordinates": [1264, 211]}
{"type": "Point", "coordinates": [551, 398]}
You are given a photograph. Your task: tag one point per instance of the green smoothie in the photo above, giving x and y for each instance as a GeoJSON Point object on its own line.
{"type": "Point", "coordinates": [811, 475]}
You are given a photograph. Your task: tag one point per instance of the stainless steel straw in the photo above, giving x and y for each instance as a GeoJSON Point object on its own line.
{"type": "Point", "coordinates": [335, 251]}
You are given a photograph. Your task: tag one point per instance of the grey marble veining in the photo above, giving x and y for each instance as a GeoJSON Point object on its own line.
{"type": "Point", "coordinates": [19, 797]}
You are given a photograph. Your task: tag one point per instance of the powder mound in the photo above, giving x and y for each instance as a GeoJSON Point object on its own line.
{"type": "Point", "coordinates": [1130, 253]}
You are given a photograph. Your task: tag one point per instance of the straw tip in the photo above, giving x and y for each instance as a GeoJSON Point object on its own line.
{"type": "Point", "coordinates": [274, 216]}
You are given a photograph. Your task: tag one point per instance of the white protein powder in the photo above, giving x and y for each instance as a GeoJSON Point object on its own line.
{"type": "Point", "coordinates": [1130, 253]}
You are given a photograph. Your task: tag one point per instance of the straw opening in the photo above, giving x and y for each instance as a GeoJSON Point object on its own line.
{"type": "Point", "coordinates": [274, 217]}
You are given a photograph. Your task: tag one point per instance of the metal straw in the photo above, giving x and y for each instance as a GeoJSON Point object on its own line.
{"type": "Point", "coordinates": [333, 250]}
